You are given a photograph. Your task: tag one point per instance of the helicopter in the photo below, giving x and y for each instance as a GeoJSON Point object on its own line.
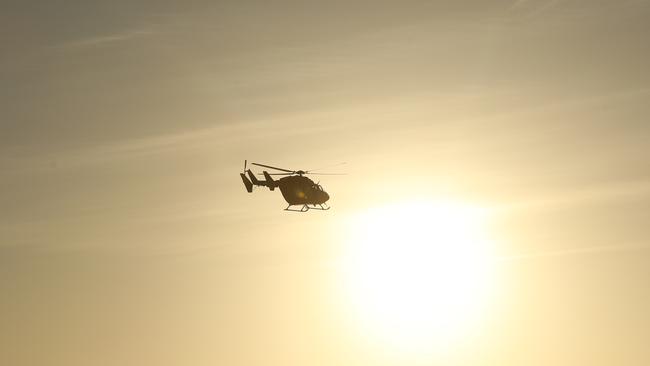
{"type": "Point", "coordinates": [296, 189]}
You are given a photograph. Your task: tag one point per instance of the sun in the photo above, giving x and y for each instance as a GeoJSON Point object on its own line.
{"type": "Point", "coordinates": [418, 274]}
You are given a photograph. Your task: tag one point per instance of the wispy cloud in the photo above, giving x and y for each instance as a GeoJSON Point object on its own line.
{"type": "Point", "coordinates": [597, 193]}
{"type": "Point", "coordinates": [150, 25]}
{"type": "Point", "coordinates": [159, 144]}
{"type": "Point", "coordinates": [532, 8]}
{"type": "Point", "coordinates": [518, 4]}
{"type": "Point", "coordinates": [577, 251]}
{"type": "Point", "coordinates": [110, 38]}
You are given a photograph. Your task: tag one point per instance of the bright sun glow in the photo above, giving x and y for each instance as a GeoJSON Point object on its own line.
{"type": "Point", "coordinates": [418, 274]}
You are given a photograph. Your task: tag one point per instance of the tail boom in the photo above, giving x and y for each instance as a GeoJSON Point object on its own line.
{"type": "Point", "coordinates": [251, 180]}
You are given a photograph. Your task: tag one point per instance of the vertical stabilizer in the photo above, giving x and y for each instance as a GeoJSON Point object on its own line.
{"type": "Point", "coordinates": [253, 178]}
{"type": "Point", "coordinates": [269, 180]}
{"type": "Point", "coordinates": [247, 183]}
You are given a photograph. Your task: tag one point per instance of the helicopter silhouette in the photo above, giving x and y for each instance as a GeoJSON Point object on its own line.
{"type": "Point", "coordinates": [295, 187]}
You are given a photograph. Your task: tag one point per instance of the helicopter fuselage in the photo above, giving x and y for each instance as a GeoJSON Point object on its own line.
{"type": "Point", "coordinates": [299, 190]}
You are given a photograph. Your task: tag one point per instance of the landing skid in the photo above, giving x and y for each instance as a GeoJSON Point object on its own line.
{"type": "Point", "coordinates": [306, 207]}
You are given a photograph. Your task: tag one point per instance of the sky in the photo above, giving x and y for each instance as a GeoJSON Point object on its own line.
{"type": "Point", "coordinates": [127, 237]}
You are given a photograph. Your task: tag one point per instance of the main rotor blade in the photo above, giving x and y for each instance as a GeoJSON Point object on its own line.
{"type": "Point", "coordinates": [276, 173]}
{"type": "Point", "coordinates": [327, 166]}
{"type": "Point", "coordinates": [272, 167]}
{"type": "Point", "coordinates": [327, 173]}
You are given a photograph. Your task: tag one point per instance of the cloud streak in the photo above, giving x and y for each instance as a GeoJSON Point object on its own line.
{"type": "Point", "coordinates": [577, 251]}
{"type": "Point", "coordinates": [111, 38]}
{"type": "Point", "coordinates": [532, 8]}
{"type": "Point", "coordinates": [598, 193]}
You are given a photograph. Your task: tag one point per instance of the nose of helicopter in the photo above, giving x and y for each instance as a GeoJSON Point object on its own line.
{"type": "Point", "coordinates": [325, 196]}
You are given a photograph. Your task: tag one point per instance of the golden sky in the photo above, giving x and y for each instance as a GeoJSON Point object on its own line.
{"type": "Point", "coordinates": [127, 237]}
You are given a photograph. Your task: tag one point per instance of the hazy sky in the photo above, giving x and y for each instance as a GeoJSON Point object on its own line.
{"type": "Point", "coordinates": [127, 237]}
